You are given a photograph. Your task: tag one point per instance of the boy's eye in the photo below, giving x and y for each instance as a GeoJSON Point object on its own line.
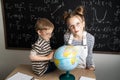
{"type": "Point", "coordinates": [71, 26]}
{"type": "Point", "coordinates": [49, 34]}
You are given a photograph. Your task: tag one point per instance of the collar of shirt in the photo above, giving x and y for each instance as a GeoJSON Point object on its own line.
{"type": "Point", "coordinates": [40, 38]}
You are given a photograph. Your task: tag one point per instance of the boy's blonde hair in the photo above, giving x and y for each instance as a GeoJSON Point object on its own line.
{"type": "Point", "coordinates": [43, 24]}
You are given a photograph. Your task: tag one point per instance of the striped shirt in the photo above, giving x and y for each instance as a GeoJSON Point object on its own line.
{"type": "Point", "coordinates": [42, 48]}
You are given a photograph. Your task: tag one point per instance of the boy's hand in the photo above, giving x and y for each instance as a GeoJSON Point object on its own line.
{"type": "Point", "coordinates": [50, 56]}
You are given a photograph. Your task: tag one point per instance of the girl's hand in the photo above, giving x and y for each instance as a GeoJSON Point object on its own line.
{"type": "Point", "coordinates": [91, 68]}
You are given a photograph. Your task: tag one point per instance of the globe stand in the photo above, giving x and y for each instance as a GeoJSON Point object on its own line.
{"type": "Point", "coordinates": [67, 76]}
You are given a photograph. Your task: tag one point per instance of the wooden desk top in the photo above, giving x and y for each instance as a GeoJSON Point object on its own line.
{"type": "Point", "coordinates": [49, 76]}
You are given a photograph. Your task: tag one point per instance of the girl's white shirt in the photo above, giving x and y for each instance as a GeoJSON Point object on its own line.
{"type": "Point", "coordinates": [83, 50]}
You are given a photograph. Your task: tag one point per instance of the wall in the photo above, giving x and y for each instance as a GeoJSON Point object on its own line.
{"type": "Point", "coordinates": [9, 59]}
{"type": "Point", "coordinates": [107, 65]}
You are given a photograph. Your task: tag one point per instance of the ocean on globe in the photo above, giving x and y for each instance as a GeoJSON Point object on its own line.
{"type": "Point", "coordinates": [66, 57]}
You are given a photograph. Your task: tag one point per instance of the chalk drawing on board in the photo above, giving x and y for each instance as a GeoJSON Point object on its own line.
{"type": "Point", "coordinates": [96, 17]}
{"type": "Point", "coordinates": [58, 7]}
{"type": "Point", "coordinates": [114, 43]}
{"type": "Point", "coordinates": [102, 18]}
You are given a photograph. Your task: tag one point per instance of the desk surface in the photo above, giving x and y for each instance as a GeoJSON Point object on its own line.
{"type": "Point", "coordinates": [49, 76]}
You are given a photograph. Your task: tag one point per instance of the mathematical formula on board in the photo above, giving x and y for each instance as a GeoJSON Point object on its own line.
{"type": "Point", "coordinates": [102, 20]}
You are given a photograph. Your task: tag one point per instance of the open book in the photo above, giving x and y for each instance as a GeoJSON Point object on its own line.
{"type": "Point", "coordinates": [20, 76]}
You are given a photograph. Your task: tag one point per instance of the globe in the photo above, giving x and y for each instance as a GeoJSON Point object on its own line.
{"type": "Point", "coordinates": [66, 58]}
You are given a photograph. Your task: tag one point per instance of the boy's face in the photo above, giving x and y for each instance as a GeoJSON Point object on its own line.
{"type": "Point", "coordinates": [45, 34]}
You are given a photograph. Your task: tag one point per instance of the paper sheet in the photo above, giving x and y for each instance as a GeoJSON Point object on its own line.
{"type": "Point", "coordinates": [86, 78]}
{"type": "Point", "coordinates": [20, 76]}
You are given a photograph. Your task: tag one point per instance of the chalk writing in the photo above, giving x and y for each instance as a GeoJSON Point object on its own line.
{"type": "Point", "coordinates": [102, 20]}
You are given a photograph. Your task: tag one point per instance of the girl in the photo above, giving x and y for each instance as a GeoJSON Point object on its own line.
{"type": "Point", "coordinates": [76, 35]}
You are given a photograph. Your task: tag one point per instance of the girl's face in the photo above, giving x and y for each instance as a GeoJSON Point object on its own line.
{"type": "Point", "coordinates": [45, 34]}
{"type": "Point", "coordinates": [76, 25]}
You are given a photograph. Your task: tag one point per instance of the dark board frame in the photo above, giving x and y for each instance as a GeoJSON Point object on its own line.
{"type": "Point", "coordinates": [102, 20]}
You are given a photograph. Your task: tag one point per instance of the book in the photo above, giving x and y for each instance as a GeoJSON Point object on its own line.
{"type": "Point", "coordinates": [20, 76]}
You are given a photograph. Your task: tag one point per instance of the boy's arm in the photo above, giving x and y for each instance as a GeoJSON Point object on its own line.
{"type": "Point", "coordinates": [41, 58]}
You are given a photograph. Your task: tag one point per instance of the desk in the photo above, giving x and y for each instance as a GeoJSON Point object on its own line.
{"type": "Point", "coordinates": [49, 76]}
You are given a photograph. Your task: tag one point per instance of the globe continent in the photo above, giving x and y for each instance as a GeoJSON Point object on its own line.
{"type": "Point", "coordinates": [66, 57]}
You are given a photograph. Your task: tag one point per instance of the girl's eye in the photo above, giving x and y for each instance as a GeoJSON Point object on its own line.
{"type": "Point", "coordinates": [78, 24]}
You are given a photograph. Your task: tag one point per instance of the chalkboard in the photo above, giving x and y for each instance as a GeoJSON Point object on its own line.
{"type": "Point", "coordinates": [102, 20]}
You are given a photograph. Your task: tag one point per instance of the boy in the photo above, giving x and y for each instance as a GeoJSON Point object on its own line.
{"type": "Point", "coordinates": [41, 53]}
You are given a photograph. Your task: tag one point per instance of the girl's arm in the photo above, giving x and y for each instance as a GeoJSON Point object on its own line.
{"type": "Point", "coordinates": [89, 60]}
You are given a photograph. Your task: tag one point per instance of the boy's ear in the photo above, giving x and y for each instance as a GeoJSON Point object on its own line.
{"type": "Point", "coordinates": [39, 32]}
